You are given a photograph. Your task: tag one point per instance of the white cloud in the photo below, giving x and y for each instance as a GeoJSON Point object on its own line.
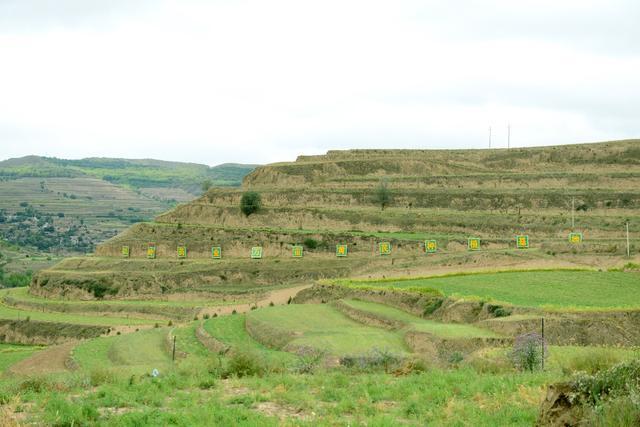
{"type": "Point", "coordinates": [257, 81]}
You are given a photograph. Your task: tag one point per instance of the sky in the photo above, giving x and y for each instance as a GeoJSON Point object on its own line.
{"type": "Point", "coordinates": [264, 81]}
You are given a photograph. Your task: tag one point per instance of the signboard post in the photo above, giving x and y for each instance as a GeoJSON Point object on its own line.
{"type": "Point", "coordinates": [182, 251]}
{"type": "Point", "coordinates": [296, 251]}
{"type": "Point", "coordinates": [342, 250]}
{"type": "Point", "coordinates": [256, 252]}
{"type": "Point", "coordinates": [125, 251]}
{"type": "Point", "coordinates": [575, 238]}
{"type": "Point", "coordinates": [473, 243]}
{"type": "Point", "coordinates": [430, 246]}
{"type": "Point", "coordinates": [151, 251]}
{"type": "Point", "coordinates": [522, 242]}
{"type": "Point", "coordinates": [384, 248]}
{"type": "Point", "coordinates": [216, 252]}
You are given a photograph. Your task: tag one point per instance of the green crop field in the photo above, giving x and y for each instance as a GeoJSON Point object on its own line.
{"type": "Point", "coordinates": [231, 331]}
{"type": "Point", "coordinates": [323, 327]}
{"type": "Point", "coordinates": [22, 294]}
{"type": "Point", "coordinates": [136, 352]}
{"type": "Point", "coordinates": [547, 289]}
{"type": "Point", "coordinates": [13, 353]}
{"type": "Point", "coordinates": [442, 330]}
{"type": "Point", "coordinates": [11, 313]}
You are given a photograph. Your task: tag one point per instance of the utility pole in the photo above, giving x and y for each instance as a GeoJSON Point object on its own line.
{"type": "Point", "coordinates": [573, 209]}
{"type": "Point", "coordinates": [508, 136]}
{"type": "Point", "coordinates": [489, 136]}
{"type": "Point", "coordinates": [542, 343]}
{"type": "Point", "coordinates": [628, 250]}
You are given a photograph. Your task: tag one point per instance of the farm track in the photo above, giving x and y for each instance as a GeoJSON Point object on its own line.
{"type": "Point", "coordinates": [278, 297]}
{"type": "Point", "coordinates": [53, 359]}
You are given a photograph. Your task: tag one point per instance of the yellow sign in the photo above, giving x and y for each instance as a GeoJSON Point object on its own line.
{"type": "Point", "coordinates": [575, 237]}
{"type": "Point", "coordinates": [522, 242]}
{"type": "Point", "coordinates": [125, 251]}
{"type": "Point", "coordinates": [151, 251]}
{"type": "Point", "coordinates": [256, 252]}
{"type": "Point", "coordinates": [430, 246]}
{"type": "Point", "coordinates": [182, 251]}
{"type": "Point", "coordinates": [341, 250]}
{"type": "Point", "coordinates": [216, 252]}
{"type": "Point", "coordinates": [473, 244]}
{"type": "Point", "coordinates": [296, 251]}
{"type": "Point", "coordinates": [385, 248]}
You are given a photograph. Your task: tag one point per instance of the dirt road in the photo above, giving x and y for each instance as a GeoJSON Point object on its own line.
{"type": "Point", "coordinates": [278, 297]}
{"type": "Point", "coordinates": [53, 359]}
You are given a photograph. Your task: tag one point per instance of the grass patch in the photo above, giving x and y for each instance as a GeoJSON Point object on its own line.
{"type": "Point", "coordinates": [231, 331]}
{"type": "Point", "coordinates": [442, 330]}
{"type": "Point", "coordinates": [322, 326]}
{"type": "Point", "coordinates": [557, 289]}
{"type": "Point", "coordinates": [11, 313]}
{"type": "Point", "coordinates": [137, 352]}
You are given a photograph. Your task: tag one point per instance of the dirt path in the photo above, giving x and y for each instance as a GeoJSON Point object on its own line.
{"type": "Point", "coordinates": [53, 359]}
{"type": "Point", "coordinates": [278, 297]}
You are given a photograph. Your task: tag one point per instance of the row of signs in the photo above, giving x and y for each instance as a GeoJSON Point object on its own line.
{"type": "Point", "coordinates": [384, 248]}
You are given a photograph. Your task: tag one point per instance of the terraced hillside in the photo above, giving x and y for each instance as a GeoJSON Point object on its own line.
{"type": "Point", "coordinates": [55, 206]}
{"type": "Point", "coordinates": [361, 198]}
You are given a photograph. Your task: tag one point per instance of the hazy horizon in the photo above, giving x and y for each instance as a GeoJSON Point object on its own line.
{"type": "Point", "coordinates": [253, 82]}
{"type": "Point", "coordinates": [303, 154]}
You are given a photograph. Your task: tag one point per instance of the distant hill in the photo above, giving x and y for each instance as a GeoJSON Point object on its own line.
{"type": "Point", "coordinates": [62, 206]}
{"type": "Point", "coordinates": [143, 173]}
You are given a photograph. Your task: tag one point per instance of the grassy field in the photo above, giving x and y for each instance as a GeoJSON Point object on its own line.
{"type": "Point", "coordinates": [22, 294]}
{"type": "Point", "coordinates": [137, 352]}
{"type": "Point", "coordinates": [546, 289]}
{"type": "Point", "coordinates": [79, 319]}
{"type": "Point", "coordinates": [13, 353]}
{"type": "Point", "coordinates": [231, 331]}
{"type": "Point", "coordinates": [442, 330]}
{"type": "Point", "coordinates": [323, 327]}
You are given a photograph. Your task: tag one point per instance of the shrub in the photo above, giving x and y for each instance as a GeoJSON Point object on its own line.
{"type": "Point", "coordinates": [498, 310]}
{"type": "Point", "coordinates": [308, 359]}
{"type": "Point", "coordinates": [170, 323]}
{"type": "Point", "coordinates": [250, 203]}
{"type": "Point", "coordinates": [244, 363]}
{"type": "Point", "coordinates": [376, 359]}
{"type": "Point", "coordinates": [271, 304]}
{"type": "Point", "coordinates": [205, 316]}
{"type": "Point", "coordinates": [529, 352]}
{"type": "Point", "coordinates": [310, 243]}
{"type": "Point", "coordinates": [234, 311]}
{"type": "Point", "coordinates": [383, 196]}
{"type": "Point", "coordinates": [455, 358]}
{"type": "Point", "coordinates": [432, 306]}
{"type": "Point", "coordinates": [156, 325]}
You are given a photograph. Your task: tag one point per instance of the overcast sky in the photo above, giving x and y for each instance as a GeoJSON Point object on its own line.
{"type": "Point", "coordinates": [263, 81]}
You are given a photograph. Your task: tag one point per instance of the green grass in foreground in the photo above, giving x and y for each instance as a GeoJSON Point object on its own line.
{"type": "Point", "coordinates": [13, 353]}
{"type": "Point", "coordinates": [548, 289]}
{"type": "Point", "coordinates": [322, 326]}
{"type": "Point", "coordinates": [443, 330]}
{"type": "Point", "coordinates": [136, 352]}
